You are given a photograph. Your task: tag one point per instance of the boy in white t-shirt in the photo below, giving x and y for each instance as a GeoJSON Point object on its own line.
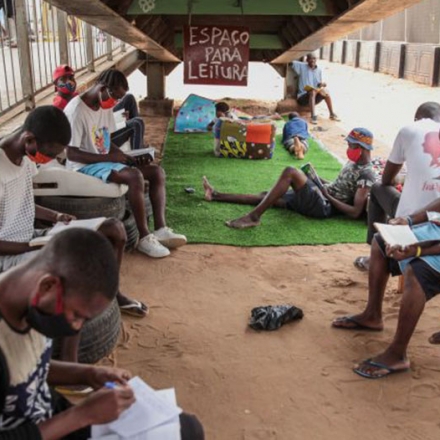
{"type": "Point", "coordinates": [92, 152]}
{"type": "Point", "coordinates": [417, 145]}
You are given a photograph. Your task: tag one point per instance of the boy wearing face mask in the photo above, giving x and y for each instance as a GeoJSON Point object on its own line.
{"type": "Point", "coordinates": [46, 297]}
{"type": "Point", "coordinates": [65, 86]}
{"type": "Point", "coordinates": [347, 194]}
{"type": "Point", "coordinates": [91, 151]}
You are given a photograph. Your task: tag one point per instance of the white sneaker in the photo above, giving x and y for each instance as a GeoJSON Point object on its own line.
{"type": "Point", "coordinates": [169, 239]}
{"type": "Point", "coordinates": [150, 245]}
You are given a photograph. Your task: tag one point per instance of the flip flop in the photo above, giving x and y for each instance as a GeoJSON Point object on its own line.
{"type": "Point", "coordinates": [135, 308]}
{"type": "Point", "coordinates": [379, 366]}
{"type": "Point", "coordinates": [354, 324]}
{"type": "Point", "coordinates": [362, 263]}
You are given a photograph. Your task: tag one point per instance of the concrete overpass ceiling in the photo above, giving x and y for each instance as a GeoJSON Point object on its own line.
{"type": "Point", "coordinates": [281, 30]}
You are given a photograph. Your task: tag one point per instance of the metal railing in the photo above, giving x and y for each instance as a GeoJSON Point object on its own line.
{"type": "Point", "coordinates": [35, 38]}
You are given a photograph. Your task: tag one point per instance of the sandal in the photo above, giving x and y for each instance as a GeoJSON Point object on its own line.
{"type": "Point", "coordinates": [362, 263]}
{"type": "Point", "coordinates": [135, 308]}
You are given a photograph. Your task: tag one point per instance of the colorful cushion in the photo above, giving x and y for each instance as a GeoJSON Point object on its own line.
{"type": "Point", "coordinates": [247, 141]}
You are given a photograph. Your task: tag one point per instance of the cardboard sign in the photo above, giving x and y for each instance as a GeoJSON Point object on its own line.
{"type": "Point", "coordinates": [216, 55]}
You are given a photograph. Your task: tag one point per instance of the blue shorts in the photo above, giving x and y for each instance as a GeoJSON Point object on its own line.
{"type": "Point", "coordinates": [102, 170]}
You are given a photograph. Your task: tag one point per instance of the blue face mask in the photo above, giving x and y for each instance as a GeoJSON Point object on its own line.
{"type": "Point", "coordinates": [67, 88]}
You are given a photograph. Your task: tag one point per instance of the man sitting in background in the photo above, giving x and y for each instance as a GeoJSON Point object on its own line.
{"type": "Point", "coordinates": [311, 89]}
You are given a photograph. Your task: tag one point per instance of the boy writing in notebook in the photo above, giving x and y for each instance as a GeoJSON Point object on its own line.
{"type": "Point", "coordinates": [48, 297]}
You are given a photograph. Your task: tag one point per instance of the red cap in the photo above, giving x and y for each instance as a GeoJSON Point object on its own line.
{"type": "Point", "coordinates": [62, 70]}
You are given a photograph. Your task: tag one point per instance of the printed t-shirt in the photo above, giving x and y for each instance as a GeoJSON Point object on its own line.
{"type": "Point", "coordinates": [350, 179]}
{"type": "Point", "coordinates": [91, 129]}
{"type": "Point", "coordinates": [17, 206]}
{"type": "Point", "coordinates": [418, 145]}
{"type": "Point", "coordinates": [27, 356]}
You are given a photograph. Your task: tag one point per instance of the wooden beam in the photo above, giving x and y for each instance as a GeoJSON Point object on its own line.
{"type": "Point", "coordinates": [100, 15]}
{"type": "Point", "coordinates": [361, 13]}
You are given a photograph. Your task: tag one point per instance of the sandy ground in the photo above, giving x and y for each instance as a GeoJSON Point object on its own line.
{"type": "Point", "coordinates": [295, 383]}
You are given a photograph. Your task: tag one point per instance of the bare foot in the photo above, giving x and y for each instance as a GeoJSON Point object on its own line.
{"type": "Point", "coordinates": [298, 149]}
{"type": "Point", "coordinates": [243, 222]}
{"type": "Point", "coordinates": [209, 189]}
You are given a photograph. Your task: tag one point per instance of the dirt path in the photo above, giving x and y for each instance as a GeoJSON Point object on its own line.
{"type": "Point", "coordinates": [295, 383]}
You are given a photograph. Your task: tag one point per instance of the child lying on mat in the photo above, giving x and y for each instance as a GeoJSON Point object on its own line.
{"type": "Point", "coordinates": [296, 135]}
{"type": "Point", "coordinates": [296, 191]}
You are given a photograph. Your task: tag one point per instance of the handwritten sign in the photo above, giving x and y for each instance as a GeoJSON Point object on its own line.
{"type": "Point", "coordinates": [216, 55]}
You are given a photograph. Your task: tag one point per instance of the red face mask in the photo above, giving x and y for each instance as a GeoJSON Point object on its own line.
{"type": "Point", "coordinates": [109, 103]}
{"type": "Point", "coordinates": [354, 154]}
{"type": "Point", "coordinates": [39, 158]}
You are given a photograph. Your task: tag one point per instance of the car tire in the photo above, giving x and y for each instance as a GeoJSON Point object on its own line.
{"type": "Point", "coordinates": [131, 230]}
{"type": "Point", "coordinates": [85, 207]}
{"type": "Point", "coordinates": [98, 336]}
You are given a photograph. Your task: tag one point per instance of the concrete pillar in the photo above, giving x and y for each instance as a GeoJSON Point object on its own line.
{"type": "Point", "coordinates": [290, 83]}
{"type": "Point", "coordinates": [156, 81]}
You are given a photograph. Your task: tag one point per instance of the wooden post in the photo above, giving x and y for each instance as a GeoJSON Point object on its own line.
{"type": "Point", "coordinates": [436, 68]}
{"type": "Point", "coordinates": [402, 61]}
{"type": "Point", "coordinates": [62, 36]}
{"type": "Point", "coordinates": [89, 48]}
{"type": "Point", "coordinates": [357, 59]}
{"type": "Point", "coordinates": [109, 47]}
{"type": "Point", "coordinates": [344, 52]}
{"type": "Point", "coordinates": [377, 56]}
{"type": "Point", "coordinates": [24, 55]}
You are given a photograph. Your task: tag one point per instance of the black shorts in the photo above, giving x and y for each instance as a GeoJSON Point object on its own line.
{"type": "Point", "coordinates": [308, 201]}
{"type": "Point", "coordinates": [304, 99]}
{"type": "Point", "coordinates": [428, 278]}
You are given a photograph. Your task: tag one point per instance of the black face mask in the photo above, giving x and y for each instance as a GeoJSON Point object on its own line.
{"type": "Point", "coordinates": [52, 326]}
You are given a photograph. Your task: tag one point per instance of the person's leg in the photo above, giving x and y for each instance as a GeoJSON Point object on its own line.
{"type": "Point", "coordinates": [312, 104]}
{"type": "Point", "coordinates": [290, 178]}
{"type": "Point", "coordinates": [129, 104]}
{"type": "Point", "coordinates": [156, 179]}
{"type": "Point", "coordinates": [114, 230]}
{"type": "Point", "coordinates": [394, 358]}
{"type": "Point", "coordinates": [135, 181]}
{"type": "Point", "coordinates": [119, 137]}
{"type": "Point", "coordinates": [328, 101]}
{"type": "Point", "coordinates": [371, 317]}
{"type": "Point", "coordinates": [137, 138]}
{"type": "Point", "coordinates": [383, 203]}
{"type": "Point", "coordinates": [190, 427]}
{"type": "Point", "coordinates": [211, 195]}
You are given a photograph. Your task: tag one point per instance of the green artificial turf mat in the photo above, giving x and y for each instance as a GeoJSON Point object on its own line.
{"type": "Point", "coordinates": [189, 157]}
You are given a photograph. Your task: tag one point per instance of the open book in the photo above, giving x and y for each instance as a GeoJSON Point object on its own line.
{"type": "Point", "coordinates": [401, 235]}
{"type": "Point", "coordinates": [150, 151]}
{"type": "Point", "coordinates": [91, 223]}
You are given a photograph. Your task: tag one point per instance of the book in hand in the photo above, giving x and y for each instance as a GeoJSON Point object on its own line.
{"type": "Point", "coordinates": [91, 223]}
{"type": "Point", "coordinates": [311, 173]}
{"type": "Point", "coordinates": [401, 235]}
{"type": "Point", "coordinates": [142, 155]}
